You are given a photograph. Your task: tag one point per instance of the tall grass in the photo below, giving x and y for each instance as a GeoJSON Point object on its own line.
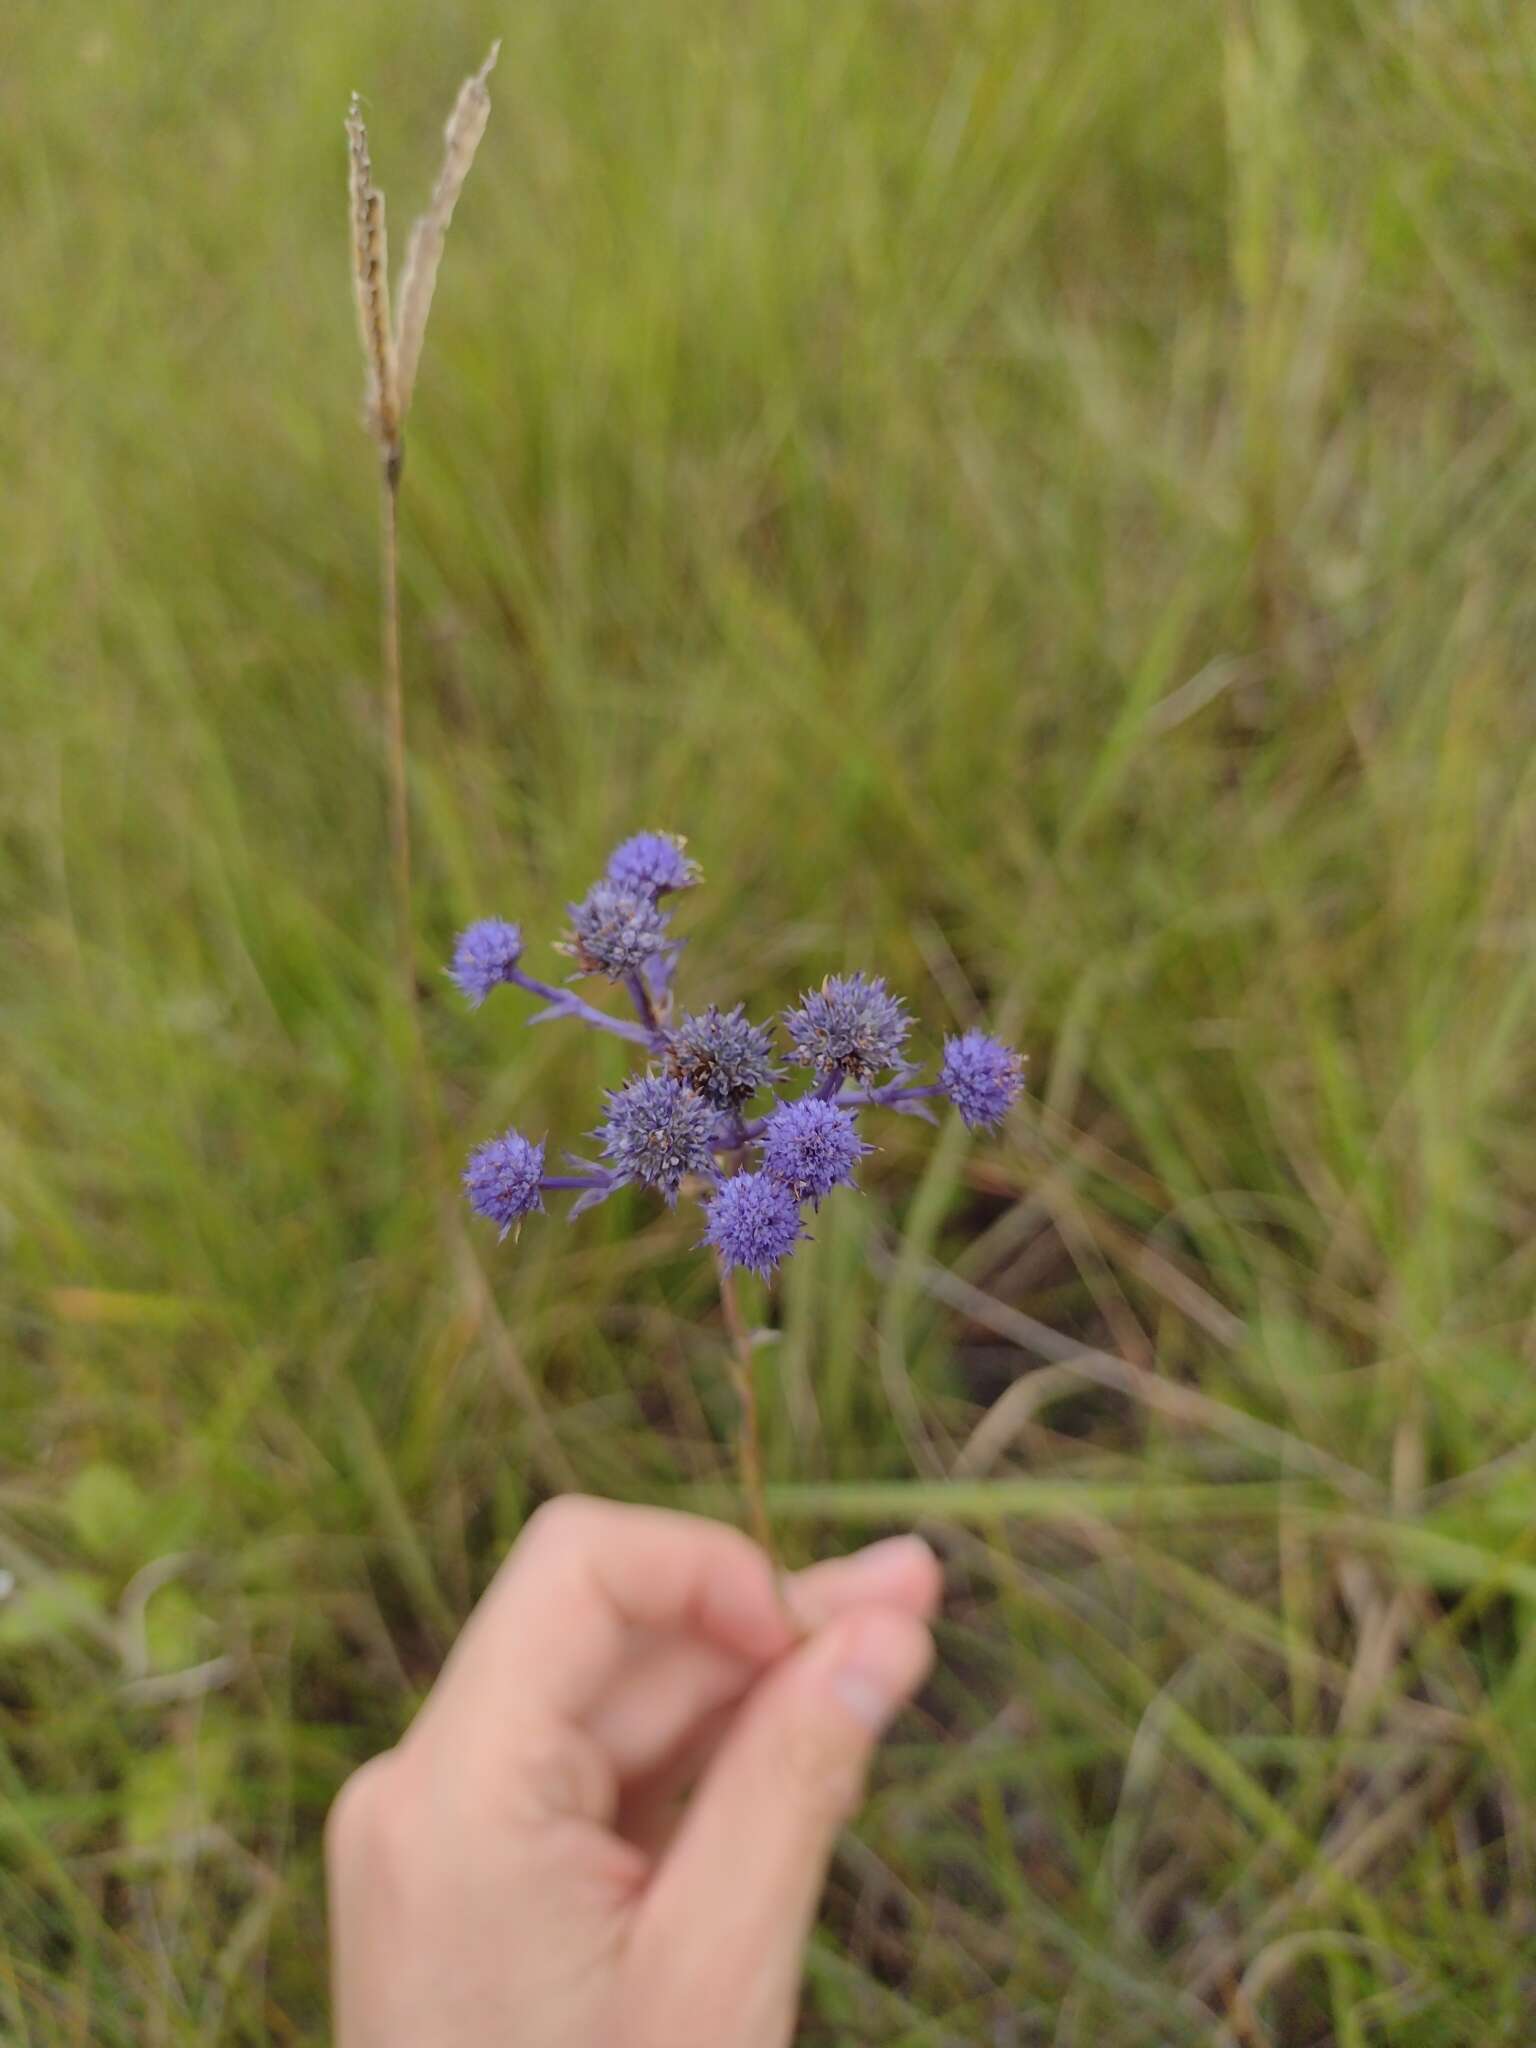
{"type": "Point", "coordinates": [1042, 497]}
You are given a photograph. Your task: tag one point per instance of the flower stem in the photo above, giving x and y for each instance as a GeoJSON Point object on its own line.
{"type": "Point", "coordinates": [750, 1455]}
{"type": "Point", "coordinates": [566, 1003]}
{"type": "Point", "coordinates": [645, 1009]}
{"type": "Point", "coordinates": [894, 1095]}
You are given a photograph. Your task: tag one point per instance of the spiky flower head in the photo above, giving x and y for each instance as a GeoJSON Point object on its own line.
{"type": "Point", "coordinates": [722, 1055]}
{"type": "Point", "coordinates": [982, 1077]}
{"type": "Point", "coordinates": [656, 1131]}
{"type": "Point", "coordinates": [851, 1028]}
{"type": "Point", "coordinates": [485, 955]}
{"type": "Point", "coordinates": [502, 1179]}
{"type": "Point", "coordinates": [811, 1147]}
{"type": "Point", "coordinates": [753, 1222]}
{"type": "Point", "coordinates": [651, 863]}
{"type": "Point", "coordinates": [615, 930]}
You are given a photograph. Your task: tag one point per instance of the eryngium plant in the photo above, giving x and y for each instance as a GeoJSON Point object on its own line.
{"type": "Point", "coordinates": [710, 1115]}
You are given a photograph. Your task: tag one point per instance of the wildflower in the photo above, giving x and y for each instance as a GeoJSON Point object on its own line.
{"type": "Point", "coordinates": [651, 863]}
{"type": "Point", "coordinates": [811, 1147]}
{"type": "Point", "coordinates": [850, 1029]}
{"type": "Point", "coordinates": [722, 1055]}
{"type": "Point", "coordinates": [485, 955]}
{"type": "Point", "coordinates": [656, 1131]}
{"type": "Point", "coordinates": [615, 930]}
{"type": "Point", "coordinates": [753, 1222]}
{"type": "Point", "coordinates": [982, 1077]}
{"type": "Point", "coordinates": [672, 1124]}
{"type": "Point", "coordinates": [503, 1179]}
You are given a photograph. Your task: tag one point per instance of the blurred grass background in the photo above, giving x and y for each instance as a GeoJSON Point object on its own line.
{"type": "Point", "coordinates": [1043, 497]}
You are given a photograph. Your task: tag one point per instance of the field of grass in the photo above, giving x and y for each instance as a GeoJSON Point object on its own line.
{"type": "Point", "coordinates": [1043, 496]}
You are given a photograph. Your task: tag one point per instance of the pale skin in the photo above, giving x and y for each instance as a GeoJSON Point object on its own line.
{"type": "Point", "coordinates": [610, 1824]}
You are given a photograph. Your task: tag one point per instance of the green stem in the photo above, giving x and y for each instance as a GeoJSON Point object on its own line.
{"type": "Point", "coordinates": [750, 1453]}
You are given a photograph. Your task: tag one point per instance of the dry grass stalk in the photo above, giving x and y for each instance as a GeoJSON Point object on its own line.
{"type": "Point", "coordinates": [391, 353]}
{"type": "Point", "coordinates": [370, 280]}
{"type": "Point", "coordinates": [424, 251]}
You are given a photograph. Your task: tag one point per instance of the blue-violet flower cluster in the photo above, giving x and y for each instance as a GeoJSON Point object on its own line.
{"type": "Point", "coordinates": [684, 1124]}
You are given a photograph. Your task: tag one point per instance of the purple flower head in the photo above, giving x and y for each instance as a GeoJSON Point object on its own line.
{"type": "Point", "coordinates": [671, 1126]}
{"type": "Point", "coordinates": [651, 863]}
{"type": "Point", "coordinates": [811, 1147]}
{"type": "Point", "coordinates": [484, 955]}
{"type": "Point", "coordinates": [849, 1029]}
{"type": "Point", "coordinates": [753, 1222]}
{"type": "Point", "coordinates": [503, 1178]}
{"type": "Point", "coordinates": [656, 1131]}
{"type": "Point", "coordinates": [614, 931]}
{"type": "Point", "coordinates": [982, 1077]}
{"type": "Point", "coordinates": [722, 1055]}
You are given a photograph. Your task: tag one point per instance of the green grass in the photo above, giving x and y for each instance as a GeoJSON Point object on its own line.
{"type": "Point", "coordinates": [1043, 496]}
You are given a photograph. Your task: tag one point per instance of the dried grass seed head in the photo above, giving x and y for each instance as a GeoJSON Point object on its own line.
{"type": "Point", "coordinates": [424, 249]}
{"type": "Point", "coordinates": [370, 283]}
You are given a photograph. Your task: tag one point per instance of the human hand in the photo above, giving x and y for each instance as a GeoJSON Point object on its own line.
{"type": "Point", "coordinates": [518, 1873]}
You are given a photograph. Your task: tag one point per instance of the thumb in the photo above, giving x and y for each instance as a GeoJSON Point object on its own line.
{"type": "Point", "coordinates": [720, 1934]}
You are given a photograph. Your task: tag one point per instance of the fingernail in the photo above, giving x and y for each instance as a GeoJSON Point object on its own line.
{"type": "Point", "coordinates": [866, 1699]}
{"type": "Point", "coordinates": [901, 1572]}
{"type": "Point", "coordinates": [892, 1557]}
{"type": "Point", "coordinates": [882, 1664]}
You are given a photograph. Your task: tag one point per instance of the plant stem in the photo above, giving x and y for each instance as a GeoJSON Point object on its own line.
{"type": "Point", "coordinates": [571, 1005]}
{"type": "Point", "coordinates": [893, 1095]}
{"type": "Point", "coordinates": [750, 1456]}
{"type": "Point", "coordinates": [475, 1289]}
{"type": "Point", "coordinates": [394, 712]}
{"type": "Point", "coordinates": [645, 1009]}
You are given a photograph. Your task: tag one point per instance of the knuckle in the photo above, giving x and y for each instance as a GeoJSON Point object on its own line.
{"type": "Point", "coordinates": [365, 1811]}
{"type": "Point", "coordinates": [556, 1521]}
{"type": "Point", "coordinates": [558, 1771]}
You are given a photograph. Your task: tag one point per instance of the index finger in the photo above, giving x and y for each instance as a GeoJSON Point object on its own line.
{"type": "Point", "coordinates": [584, 1579]}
